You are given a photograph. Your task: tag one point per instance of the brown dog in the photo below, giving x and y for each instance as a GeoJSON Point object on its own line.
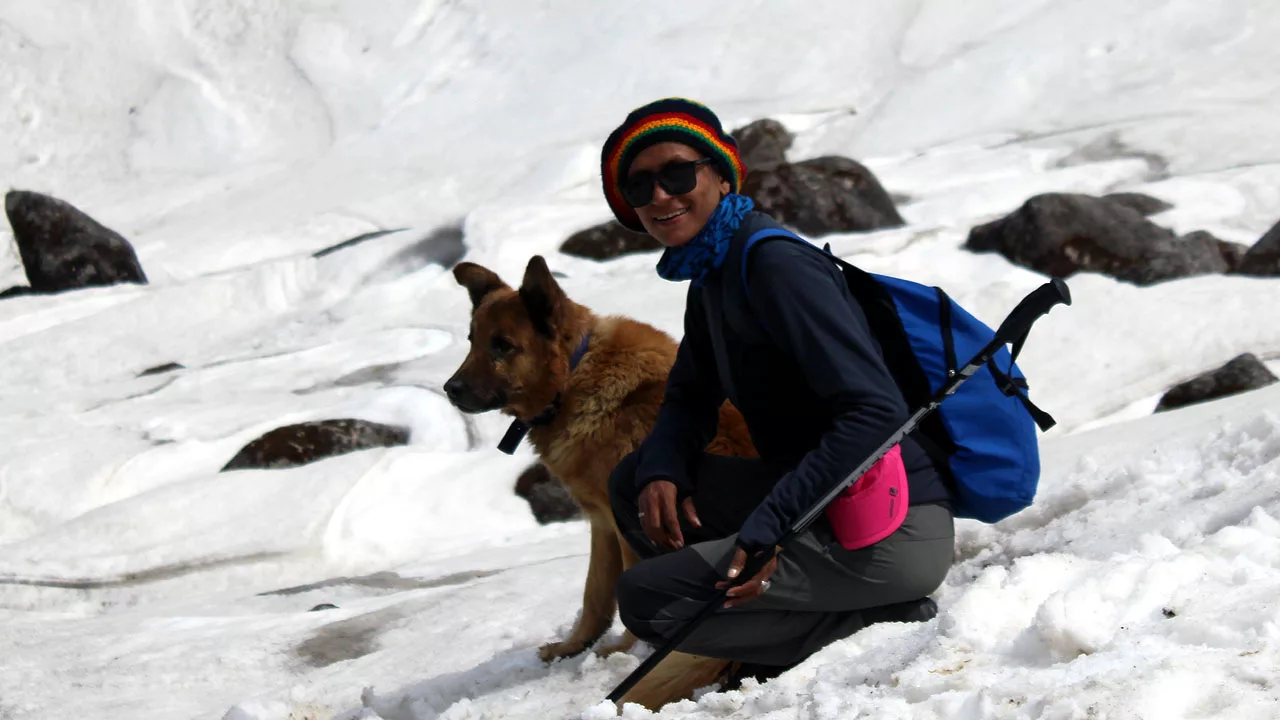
{"type": "Point", "coordinates": [588, 419]}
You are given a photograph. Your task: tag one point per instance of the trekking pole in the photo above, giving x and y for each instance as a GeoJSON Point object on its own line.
{"type": "Point", "coordinates": [1014, 330]}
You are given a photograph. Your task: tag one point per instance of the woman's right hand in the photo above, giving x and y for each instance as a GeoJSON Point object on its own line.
{"type": "Point", "coordinates": [659, 517]}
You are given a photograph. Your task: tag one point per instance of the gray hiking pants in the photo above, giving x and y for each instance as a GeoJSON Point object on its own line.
{"type": "Point", "coordinates": [819, 593]}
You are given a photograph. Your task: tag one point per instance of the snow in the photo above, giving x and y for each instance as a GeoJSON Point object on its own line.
{"type": "Point", "coordinates": [231, 141]}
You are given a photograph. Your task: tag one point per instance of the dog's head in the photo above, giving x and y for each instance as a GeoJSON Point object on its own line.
{"type": "Point", "coordinates": [517, 361]}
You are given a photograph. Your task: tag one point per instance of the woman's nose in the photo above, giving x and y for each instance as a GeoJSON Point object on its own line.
{"type": "Point", "coordinates": [659, 193]}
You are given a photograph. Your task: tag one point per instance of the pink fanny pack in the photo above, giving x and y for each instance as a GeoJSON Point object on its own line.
{"type": "Point", "coordinates": [874, 507]}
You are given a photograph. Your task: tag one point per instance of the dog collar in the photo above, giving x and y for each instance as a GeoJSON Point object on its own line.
{"type": "Point", "coordinates": [519, 428]}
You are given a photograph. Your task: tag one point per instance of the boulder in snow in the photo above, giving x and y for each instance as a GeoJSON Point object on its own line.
{"type": "Point", "coordinates": [1141, 202]}
{"type": "Point", "coordinates": [609, 240]}
{"type": "Point", "coordinates": [824, 195]}
{"type": "Point", "coordinates": [1264, 257]}
{"type": "Point", "coordinates": [1059, 234]}
{"type": "Point", "coordinates": [1244, 373]}
{"type": "Point", "coordinates": [64, 249]}
{"type": "Point", "coordinates": [763, 144]}
{"type": "Point", "coordinates": [162, 369]}
{"type": "Point", "coordinates": [547, 496]}
{"type": "Point", "coordinates": [295, 445]}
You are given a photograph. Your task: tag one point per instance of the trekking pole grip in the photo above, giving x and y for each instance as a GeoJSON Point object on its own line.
{"type": "Point", "coordinates": [1038, 303]}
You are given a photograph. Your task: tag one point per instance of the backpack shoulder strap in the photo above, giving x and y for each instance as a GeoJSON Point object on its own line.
{"type": "Point", "coordinates": [734, 299]}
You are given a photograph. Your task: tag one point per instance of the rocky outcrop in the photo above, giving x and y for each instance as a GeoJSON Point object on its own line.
{"type": "Point", "coordinates": [1245, 372]}
{"type": "Point", "coordinates": [547, 496]}
{"type": "Point", "coordinates": [63, 249]}
{"type": "Point", "coordinates": [822, 196]}
{"type": "Point", "coordinates": [1060, 234]}
{"type": "Point", "coordinates": [763, 144]}
{"type": "Point", "coordinates": [1139, 202]}
{"type": "Point", "coordinates": [1263, 258]}
{"type": "Point", "coordinates": [606, 241]}
{"type": "Point", "coordinates": [162, 369]}
{"type": "Point", "coordinates": [295, 445]}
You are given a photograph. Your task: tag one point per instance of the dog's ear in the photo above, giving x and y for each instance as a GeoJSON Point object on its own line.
{"type": "Point", "coordinates": [479, 281]}
{"type": "Point", "coordinates": [543, 299]}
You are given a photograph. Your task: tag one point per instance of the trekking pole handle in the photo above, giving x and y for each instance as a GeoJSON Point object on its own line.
{"type": "Point", "coordinates": [1032, 308]}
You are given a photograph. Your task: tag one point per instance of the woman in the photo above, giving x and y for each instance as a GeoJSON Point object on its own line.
{"type": "Point", "coordinates": [797, 357]}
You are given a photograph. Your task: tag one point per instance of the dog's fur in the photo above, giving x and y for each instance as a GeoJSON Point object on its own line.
{"type": "Point", "coordinates": [521, 345]}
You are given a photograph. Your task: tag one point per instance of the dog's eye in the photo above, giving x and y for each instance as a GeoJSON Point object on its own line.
{"type": "Point", "coordinates": [501, 346]}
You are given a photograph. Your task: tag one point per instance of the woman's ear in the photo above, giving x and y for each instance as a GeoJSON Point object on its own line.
{"type": "Point", "coordinates": [724, 188]}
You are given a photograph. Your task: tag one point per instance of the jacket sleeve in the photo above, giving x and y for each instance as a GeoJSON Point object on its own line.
{"type": "Point", "coordinates": [805, 307]}
{"type": "Point", "coordinates": [690, 411]}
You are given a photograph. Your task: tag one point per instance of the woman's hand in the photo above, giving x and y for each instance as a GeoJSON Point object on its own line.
{"type": "Point", "coordinates": [659, 517]}
{"type": "Point", "coordinates": [751, 589]}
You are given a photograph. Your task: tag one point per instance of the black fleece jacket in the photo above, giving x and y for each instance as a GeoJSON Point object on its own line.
{"type": "Point", "coordinates": [801, 364]}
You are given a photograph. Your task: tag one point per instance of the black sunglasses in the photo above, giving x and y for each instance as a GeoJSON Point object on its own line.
{"type": "Point", "coordinates": [676, 178]}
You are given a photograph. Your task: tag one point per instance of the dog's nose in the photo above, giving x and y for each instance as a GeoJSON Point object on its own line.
{"type": "Point", "coordinates": [453, 388]}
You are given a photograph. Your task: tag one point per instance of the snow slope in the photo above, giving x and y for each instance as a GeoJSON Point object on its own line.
{"type": "Point", "coordinates": [230, 140]}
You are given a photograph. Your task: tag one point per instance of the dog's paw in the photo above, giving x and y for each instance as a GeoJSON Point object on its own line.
{"type": "Point", "coordinates": [562, 649]}
{"type": "Point", "coordinates": [627, 642]}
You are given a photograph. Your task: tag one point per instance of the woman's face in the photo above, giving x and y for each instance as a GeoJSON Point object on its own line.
{"type": "Point", "coordinates": [673, 220]}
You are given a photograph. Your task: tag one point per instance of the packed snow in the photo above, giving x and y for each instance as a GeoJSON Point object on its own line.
{"type": "Point", "coordinates": [231, 140]}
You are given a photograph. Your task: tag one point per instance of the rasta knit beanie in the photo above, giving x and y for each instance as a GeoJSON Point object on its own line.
{"type": "Point", "coordinates": [668, 120]}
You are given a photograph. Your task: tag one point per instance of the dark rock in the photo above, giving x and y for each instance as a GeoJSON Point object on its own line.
{"type": "Point", "coordinates": [1264, 257]}
{"type": "Point", "coordinates": [17, 290]}
{"type": "Point", "coordinates": [323, 606]}
{"type": "Point", "coordinates": [161, 369]}
{"type": "Point", "coordinates": [606, 241]}
{"type": "Point", "coordinates": [1245, 372]}
{"type": "Point", "coordinates": [1059, 234]}
{"type": "Point", "coordinates": [64, 249]}
{"type": "Point", "coordinates": [1232, 253]}
{"type": "Point", "coordinates": [354, 241]}
{"type": "Point", "coordinates": [308, 442]}
{"type": "Point", "coordinates": [763, 144]}
{"type": "Point", "coordinates": [1144, 204]}
{"type": "Point", "coordinates": [547, 496]}
{"type": "Point", "coordinates": [824, 195]}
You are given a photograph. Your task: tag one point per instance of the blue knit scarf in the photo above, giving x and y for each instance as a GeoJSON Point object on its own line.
{"type": "Point", "coordinates": [707, 250]}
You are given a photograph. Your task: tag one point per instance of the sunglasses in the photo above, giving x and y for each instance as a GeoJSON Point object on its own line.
{"type": "Point", "coordinates": [676, 178]}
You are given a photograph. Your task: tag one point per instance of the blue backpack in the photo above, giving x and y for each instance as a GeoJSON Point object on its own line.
{"type": "Point", "coordinates": [983, 438]}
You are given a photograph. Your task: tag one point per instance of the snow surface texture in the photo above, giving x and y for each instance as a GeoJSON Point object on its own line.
{"type": "Point", "coordinates": [229, 140]}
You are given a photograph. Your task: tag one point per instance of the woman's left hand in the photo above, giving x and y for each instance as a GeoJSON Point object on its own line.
{"type": "Point", "coordinates": [751, 589]}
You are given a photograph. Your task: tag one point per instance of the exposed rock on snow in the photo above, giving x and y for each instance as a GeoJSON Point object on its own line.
{"type": "Point", "coordinates": [64, 249]}
{"type": "Point", "coordinates": [1060, 234]}
{"type": "Point", "coordinates": [1242, 374]}
{"type": "Point", "coordinates": [304, 443]}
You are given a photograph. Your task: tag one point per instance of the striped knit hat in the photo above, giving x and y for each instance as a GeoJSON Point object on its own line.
{"type": "Point", "coordinates": [669, 120]}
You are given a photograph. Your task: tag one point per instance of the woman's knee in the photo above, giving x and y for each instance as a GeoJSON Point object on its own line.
{"type": "Point", "coordinates": [638, 608]}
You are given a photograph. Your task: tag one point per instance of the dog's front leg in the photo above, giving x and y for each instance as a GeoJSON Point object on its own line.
{"type": "Point", "coordinates": [599, 598]}
{"type": "Point", "coordinates": [628, 640]}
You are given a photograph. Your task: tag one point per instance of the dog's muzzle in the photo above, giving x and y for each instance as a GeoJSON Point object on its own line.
{"type": "Point", "coordinates": [467, 400]}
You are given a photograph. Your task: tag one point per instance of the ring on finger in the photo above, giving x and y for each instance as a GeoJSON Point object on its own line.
{"type": "Point", "coordinates": [764, 585]}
